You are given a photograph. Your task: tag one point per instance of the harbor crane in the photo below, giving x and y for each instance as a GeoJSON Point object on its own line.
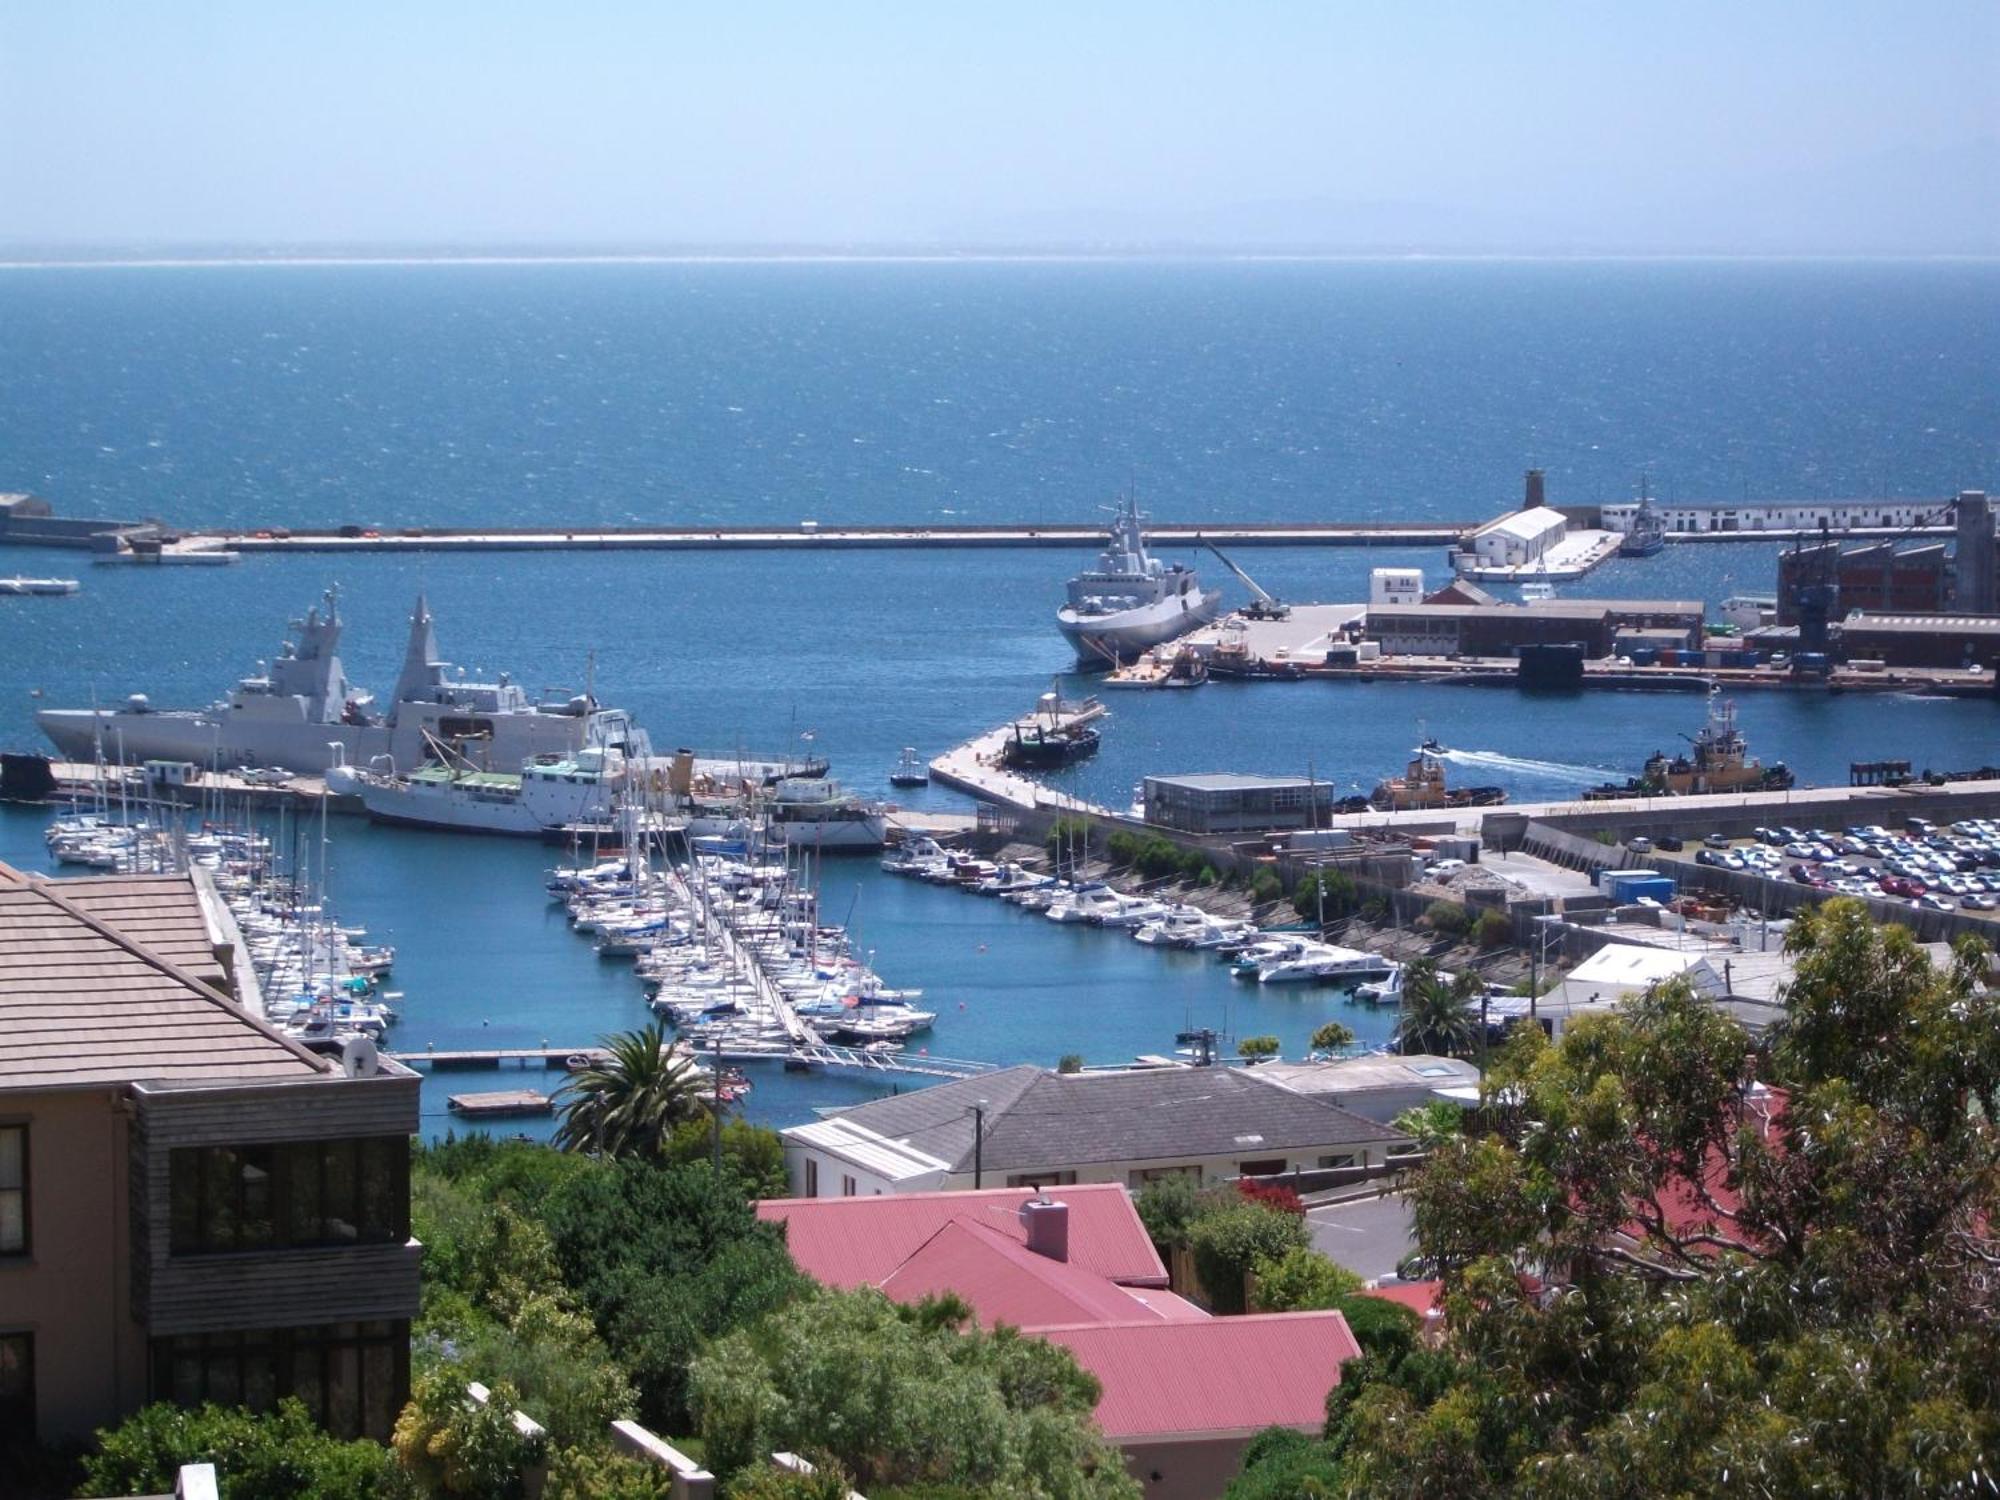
{"type": "Point", "coordinates": [1263, 605]}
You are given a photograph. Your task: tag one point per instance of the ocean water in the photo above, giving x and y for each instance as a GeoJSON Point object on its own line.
{"type": "Point", "coordinates": [737, 394]}
{"type": "Point", "coordinates": [524, 395]}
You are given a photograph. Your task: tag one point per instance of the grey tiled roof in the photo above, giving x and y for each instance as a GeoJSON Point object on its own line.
{"type": "Point", "coordinates": [115, 981]}
{"type": "Point", "coordinates": [1038, 1119]}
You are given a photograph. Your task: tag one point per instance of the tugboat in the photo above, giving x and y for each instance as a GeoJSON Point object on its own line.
{"type": "Point", "coordinates": [909, 770]}
{"type": "Point", "coordinates": [1719, 762]}
{"type": "Point", "coordinates": [1646, 535]}
{"type": "Point", "coordinates": [1422, 787]}
{"type": "Point", "coordinates": [1046, 739]}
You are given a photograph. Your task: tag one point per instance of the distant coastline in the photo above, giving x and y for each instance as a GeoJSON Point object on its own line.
{"type": "Point", "coordinates": [21, 259]}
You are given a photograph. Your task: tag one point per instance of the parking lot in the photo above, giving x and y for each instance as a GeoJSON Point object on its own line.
{"type": "Point", "coordinates": [1954, 868]}
{"type": "Point", "coordinates": [1367, 1235]}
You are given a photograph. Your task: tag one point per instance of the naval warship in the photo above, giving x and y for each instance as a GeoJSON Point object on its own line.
{"type": "Point", "coordinates": [1131, 601]}
{"type": "Point", "coordinates": [302, 714]}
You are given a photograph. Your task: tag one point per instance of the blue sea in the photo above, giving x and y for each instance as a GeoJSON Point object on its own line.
{"type": "Point", "coordinates": [744, 394]}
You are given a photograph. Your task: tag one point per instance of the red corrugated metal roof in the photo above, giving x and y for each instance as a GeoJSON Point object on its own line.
{"type": "Point", "coordinates": [1006, 1282]}
{"type": "Point", "coordinates": [1220, 1375]}
{"type": "Point", "coordinates": [861, 1241]}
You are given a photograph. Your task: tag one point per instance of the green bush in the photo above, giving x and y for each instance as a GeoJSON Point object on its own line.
{"type": "Point", "coordinates": [1258, 1047]}
{"type": "Point", "coordinates": [1207, 877]}
{"type": "Point", "coordinates": [754, 1153]}
{"type": "Point", "coordinates": [1168, 1207]}
{"type": "Point", "coordinates": [1381, 1327]}
{"type": "Point", "coordinates": [1339, 891]}
{"type": "Point", "coordinates": [281, 1455]}
{"type": "Point", "coordinates": [1071, 1062]}
{"type": "Point", "coordinates": [828, 1481]}
{"type": "Point", "coordinates": [1266, 886]}
{"type": "Point", "coordinates": [1229, 1243]}
{"type": "Point", "coordinates": [595, 1473]}
{"type": "Point", "coordinates": [1493, 930]}
{"type": "Point", "coordinates": [454, 1446]}
{"type": "Point", "coordinates": [1281, 1464]}
{"type": "Point", "coordinates": [1302, 1280]}
{"type": "Point", "coordinates": [1447, 918]}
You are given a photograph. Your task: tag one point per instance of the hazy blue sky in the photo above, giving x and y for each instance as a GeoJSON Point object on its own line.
{"type": "Point", "coordinates": [1825, 125]}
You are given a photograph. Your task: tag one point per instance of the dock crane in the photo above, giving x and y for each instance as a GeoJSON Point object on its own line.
{"type": "Point", "coordinates": [1263, 605]}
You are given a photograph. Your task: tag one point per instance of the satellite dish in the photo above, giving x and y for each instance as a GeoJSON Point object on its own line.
{"type": "Point", "coordinates": [359, 1057]}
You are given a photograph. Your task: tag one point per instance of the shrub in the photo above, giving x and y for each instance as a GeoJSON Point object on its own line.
{"type": "Point", "coordinates": [1168, 1207]}
{"type": "Point", "coordinates": [455, 1446]}
{"type": "Point", "coordinates": [828, 1481]}
{"type": "Point", "coordinates": [1255, 1047]}
{"type": "Point", "coordinates": [1381, 1327]}
{"type": "Point", "coordinates": [1072, 1062]}
{"type": "Point", "coordinates": [596, 1474]}
{"type": "Point", "coordinates": [281, 1455]}
{"type": "Point", "coordinates": [1447, 918]}
{"type": "Point", "coordinates": [1280, 1464]}
{"type": "Point", "coordinates": [1275, 1195]}
{"type": "Point", "coordinates": [1207, 877]}
{"type": "Point", "coordinates": [754, 1153]}
{"type": "Point", "coordinates": [1266, 886]}
{"type": "Point", "coordinates": [1339, 893]}
{"type": "Point", "coordinates": [1228, 1244]}
{"type": "Point", "coordinates": [1302, 1280]}
{"type": "Point", "coordinates": [1332, 1037]}
{"type": "Point", "coordinates": [1493, 930]}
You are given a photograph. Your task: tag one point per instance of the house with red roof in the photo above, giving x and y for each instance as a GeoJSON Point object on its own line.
{"type": "Point", "coordinates": [1182, 1392]}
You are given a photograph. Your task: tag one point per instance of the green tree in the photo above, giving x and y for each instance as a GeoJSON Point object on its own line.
{"type": "Point", "coordinates": [906, 1396]}
{"type": "Point", "coordinates": [1231, 1242]}
{"type": "Point", "coordinates": [1072, 1062]}
{"type": "Point", "coordinates": [754, 1153]}
{"type": "Point", "coordinates": [281, 1455]}
{"type": "Point", "coordinates": [1439, 1015]}
{"type": "Point", "coordinates": [1448, 919]}
{"type": "Point", "coordinates": [1661, 1279]}
{"type": "Point", "coordinates": [1324, 894]}
{"type": "Point", "coordinates": [1257, 1048]}
{"type": "Point", "coordinates": [1301, 1280]}
{"type": "Point", "coordinates": [1431, 1125]}
{"type": "Point", "coordinates": [1265, 886]}
{"type": "Point", "coordinates": [1332, 1037]}
{"type": "Point", "coordinates": [1282, 1464]}
{"type": "Point", "coordinates": [1494, 929]}
{"type": "Point", "coordinates": [630, 1103]}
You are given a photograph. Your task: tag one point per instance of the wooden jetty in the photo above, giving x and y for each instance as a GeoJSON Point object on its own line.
{"type": "Point", "coordinates": [501, 1104]}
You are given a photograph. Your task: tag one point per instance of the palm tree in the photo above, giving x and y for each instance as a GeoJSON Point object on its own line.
{"type": "Point", "coordinates": [627, 1104]}
{"type": "Point", "coordinates": [1438, 1014]}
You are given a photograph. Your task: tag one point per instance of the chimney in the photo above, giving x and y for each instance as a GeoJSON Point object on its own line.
{"type": "Point", "coordinates": [1047, 1224]}
{"type": "Point", "coordinates": [1534, 496]}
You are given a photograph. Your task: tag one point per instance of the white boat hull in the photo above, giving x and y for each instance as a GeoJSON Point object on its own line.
{"type": "Point", "coordinates": [1132, 632]}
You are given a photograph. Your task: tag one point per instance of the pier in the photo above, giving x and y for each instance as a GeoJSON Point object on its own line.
{"type": "Point", "coordinates": [978, 769]}
{"type": "Point", "coordinates": [496, 1057]}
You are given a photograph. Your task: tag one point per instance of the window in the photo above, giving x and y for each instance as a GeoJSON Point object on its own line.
{"type": "Point", "coordinates": [264, 1197]}
{"type": "Point", "coordinates": [1041, 1179]}
{"type": "Point", "coordinates": [1269, 1166]}
{"type": "Point", "coordinates": [352, 1377]}
{"type": "Point", "coordinates": [1333, 1162]}
{"type": "Point", "coordinates": [17, 1386]}
{"type": "Point", "coordinates": [812, 1178]}
{"type": "Point", "coordinates": [846, 1186]}
{"type": "Point", "coordinates": [13, 1190]}
{"type": "Point", "coordinates": [1145, 1175]}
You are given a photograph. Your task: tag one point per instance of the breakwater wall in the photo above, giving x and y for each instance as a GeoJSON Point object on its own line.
{"type": "Point", "coordinates": [811, 537]}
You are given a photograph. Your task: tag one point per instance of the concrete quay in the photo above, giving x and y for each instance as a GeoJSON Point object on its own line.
{"type": "Point", "coordinates": [977, 769]}
{"type": "Point", "coordinates": [810, 536]}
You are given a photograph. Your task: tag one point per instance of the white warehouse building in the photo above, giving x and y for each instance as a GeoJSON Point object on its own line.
{"type": "Point", "coordinates": [1519, 538]}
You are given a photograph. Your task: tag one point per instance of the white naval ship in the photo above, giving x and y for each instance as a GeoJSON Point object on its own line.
{"type": "Point", "coordinates": [303, 712]}
{"type": "Point", "coordinates": [1131, 601]}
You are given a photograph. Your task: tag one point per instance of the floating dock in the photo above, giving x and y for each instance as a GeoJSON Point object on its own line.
{"type": "Point", "coordinates": [501, 1105]}
{"type": "Point", "coordinates": [978, 769]}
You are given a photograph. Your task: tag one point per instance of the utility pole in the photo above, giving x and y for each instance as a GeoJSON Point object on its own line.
{"type": "Point", "coordinates": [978, 1144]}
{"type": "Point", "coordinates": [715, 1113]}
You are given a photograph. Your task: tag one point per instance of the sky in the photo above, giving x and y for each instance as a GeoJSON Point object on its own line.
{"type": "Point", "coordinates": [1451, 126]}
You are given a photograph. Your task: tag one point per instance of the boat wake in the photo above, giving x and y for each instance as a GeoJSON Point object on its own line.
{"type": "Point", "coordinates": [1547, 770]}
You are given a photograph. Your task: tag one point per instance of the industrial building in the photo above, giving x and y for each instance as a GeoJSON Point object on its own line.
{"type": "Point", "coordinates": [1500, 630]}
{"type": "Point", "coordinates": [1922, 640]}
{"type": "Point", "coordinates": [1229, 803]}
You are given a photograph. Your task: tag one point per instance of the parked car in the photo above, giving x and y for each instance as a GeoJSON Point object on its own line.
{"type": "Point", "coordinates": [1667, 843]}
{"type": "Point", "coordinates": [1639, 844]}
{"type": "Point", "coordinates": [1717, 840]}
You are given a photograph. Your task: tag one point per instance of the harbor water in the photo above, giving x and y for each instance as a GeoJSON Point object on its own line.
{"type": "Point", "coordinates": [269, 395]}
